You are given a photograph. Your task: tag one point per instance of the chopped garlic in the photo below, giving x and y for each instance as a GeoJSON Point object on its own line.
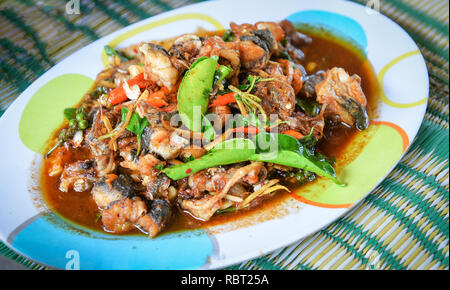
{"type": "Point", "coordinates": [78, 138]}
{"type": "Point", "coordinates": [135, 70]}
{"type": "Point", "coordinates": [133, 92]}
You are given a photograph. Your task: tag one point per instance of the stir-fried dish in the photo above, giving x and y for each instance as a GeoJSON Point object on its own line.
{"type": "Point", "coordinates": [202, 125]}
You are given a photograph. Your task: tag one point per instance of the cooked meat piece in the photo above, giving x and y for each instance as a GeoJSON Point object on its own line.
{"type": "Point", "coordinates": [299, 121]}
{"type": "Point", "coordinates": [165, 143]}
{"type": "Point", "coordinates": [193, 151]}
{"type": "Point", "coordinates": [157, 217]}
{"type": "Point", "coordinates": [220, 183]}
{"type": "Point", "coordinates": [99, 147]}
{"type": "Point", "coordinates": [57, 161]}
{"type": "Point", "coordinates": [122, 215]}
{"type": "Point", "coordinates": [344, 97]}
{"type": "Point", "coordinates": [277, 96]}
{"type": "Point", "coordinates": [184, 50]}
{"type": "Point", "coordinates": [227, 52]}
{"type": "Point", "coordinates": [236, 175]}
{"type": "Point", "coordinates": [275, 29]}
{"type": "Point", "coordinates": [296, 38]}
{"type": "Point", "coordinates": [147, 164]}
{"type": "Point", "coordinates": [255, 175]}
{"type": "Point", "coordinates": [239, 30]}
{"type": "Point", "coordinates": [131, 161]}
{"type": "Point", "coordinates": [125, 214]}
{"type": "Point", "coordinates": [105, 164]}
{"type": "Point", "coordinates": [104, 193]}
{"type": "Point", "coordinates": [210, 180]}
{"type": "Point", "coordinates": [81, 174]}
{"type": "Point", "coordinates": [158, 66]}
{"type": "Point", "coordinates": [295, 41]}
{"type": "Point", "coordinates": [221, 114]}
{"type": "Point", "coordinates": [203, 208]}
{"type": "Point", "coordinates": [275, 70]}
{"type": "Point", "coordinates": [309, 84]}
{"type": "Point", "coordinates": [156, 185]}
{"type": "Point", "coordinates": [256, 48]}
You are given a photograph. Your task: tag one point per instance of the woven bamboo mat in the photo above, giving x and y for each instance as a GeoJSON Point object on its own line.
{"type": "Point", "coordinates": [403, 224]}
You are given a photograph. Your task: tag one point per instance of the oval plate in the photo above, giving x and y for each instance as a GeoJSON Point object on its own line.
{"type": "Point", "coordinates": [27, 226]}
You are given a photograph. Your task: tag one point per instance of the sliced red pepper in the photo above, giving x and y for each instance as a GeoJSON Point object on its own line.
{"type": "Point", "coordinates": [222, 100]}
{"type": "Point", "coordinates": [157, 99]}
{"type": "Point", "coordinates": [118, 95]}
{"type": "Point", "coordinates": [246, 130]}
{"type": "Point", "coordinates": [293, 133]}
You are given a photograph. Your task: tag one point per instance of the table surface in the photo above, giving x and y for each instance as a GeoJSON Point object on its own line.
{"type": "Point", "coordinates": [411, 205]}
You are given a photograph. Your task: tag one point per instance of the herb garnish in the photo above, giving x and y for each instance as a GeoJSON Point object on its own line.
{"type": "Point", "coordinates": [136, 125]}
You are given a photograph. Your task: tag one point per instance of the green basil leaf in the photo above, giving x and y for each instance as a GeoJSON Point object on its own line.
{"type": "Point", "coordinates": [136, 124]}
{"type": "Point", "coordinates": [310, 107]}
{"type": "Point", "coordinates": [70, 113]}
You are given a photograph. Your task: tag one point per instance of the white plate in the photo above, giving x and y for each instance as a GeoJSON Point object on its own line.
{"type": "Point", "coordinates": [27, 226]}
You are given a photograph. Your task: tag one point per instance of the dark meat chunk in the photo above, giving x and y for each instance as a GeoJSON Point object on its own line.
{"type": "Point", "coordinates": [296, 38]}
{"type": "Point", "coordinates": [304, 123]}
{"type": "Point", "coordinates": [278, 97]}
{"type": "Point", "coordinates": [162, 142]}
{"type": "Point", "coordinates": [99, 147]}
{"type": "Point", "coordinates": [127, 213]}
{"type": "Point", "coordinates": [256, 48]}
{"type": "Point", "coordinates": [104, 193]}
{"type": "Point", "coordinates": [184, 50]}
{"type": "Point", "coordinates": [80, 174]}
{"type": "Point", "coordinates": [157, 65]}
{"type": "Point", "coordinates": [309, 84]}
{"type": "Point", "coordinates": [122, 215]}
{"type": "Point", "coordinates": [156, 185]}
{"type": "Point", "coordinates": [343, 96]}
{"type": "Point", "coordinates": [157, 217]}
{"type": "Point", "coordinates": [203, 208]}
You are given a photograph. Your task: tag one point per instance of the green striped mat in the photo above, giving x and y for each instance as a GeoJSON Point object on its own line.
{"type": "Point", "coordinates": [402, 225]}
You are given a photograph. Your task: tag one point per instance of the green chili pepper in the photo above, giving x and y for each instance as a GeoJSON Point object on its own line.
{"type": "Point", "coordinates": [228, 152]}
{"type": "Point", "coordinates": [112, 52]}
{"type": "Point", "coordinates": [293, 153]}
{"type": "Point", "coordinates": [228, 36]}
{"type": "Point", "coordinates": [222, 72]}
{"type": "Point", "coordinates": [193, 95]}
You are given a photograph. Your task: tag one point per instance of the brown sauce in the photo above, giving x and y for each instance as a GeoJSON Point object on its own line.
{"type": "Point", "coordinates": [325, 51]}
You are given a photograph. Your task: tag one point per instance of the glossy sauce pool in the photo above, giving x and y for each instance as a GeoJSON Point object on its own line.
{"type": "Point", "coordinates": [325, 51]}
